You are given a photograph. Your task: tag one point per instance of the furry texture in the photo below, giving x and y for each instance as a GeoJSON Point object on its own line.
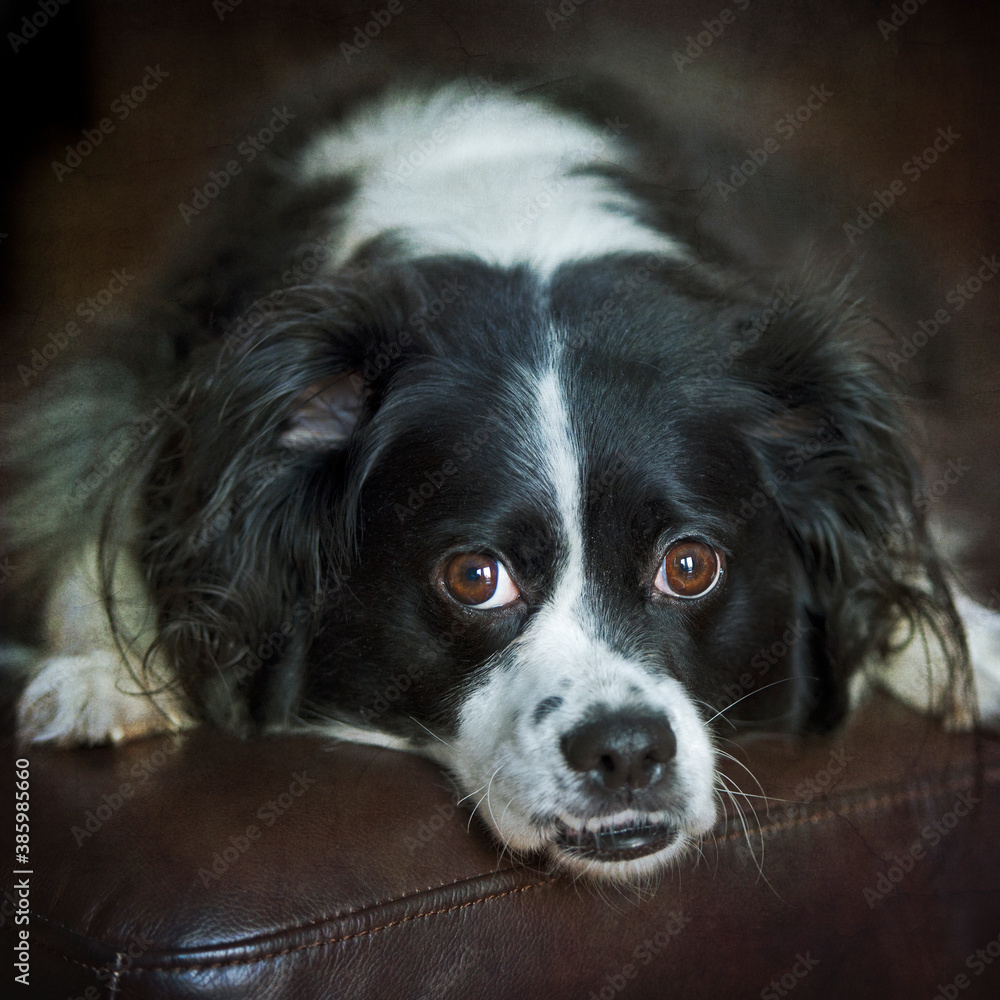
{"type": "Point", "coordinates": [356, 396]}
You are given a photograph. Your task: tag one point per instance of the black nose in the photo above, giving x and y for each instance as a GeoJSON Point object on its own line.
{"type": "Point", "coordinates": [621, 749]}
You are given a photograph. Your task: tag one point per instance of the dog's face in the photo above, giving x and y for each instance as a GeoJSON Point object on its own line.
{"type": "Point", "coordinates": [571, 534]}
{"type": "Point", "coordinates": [555, 591]}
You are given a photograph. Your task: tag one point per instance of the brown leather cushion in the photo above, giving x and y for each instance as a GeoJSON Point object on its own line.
{"type": "Point", "coordinates": [290, 868]}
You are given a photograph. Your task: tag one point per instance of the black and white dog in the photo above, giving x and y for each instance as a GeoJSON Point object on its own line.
{"type": "Point", "coordinates": [448, 442]}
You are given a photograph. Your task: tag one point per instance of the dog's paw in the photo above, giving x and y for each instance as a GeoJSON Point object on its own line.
{"type": "Point", "coordinates": [91, 699]}
{"type": "Point", "coordinates": [917, 673]}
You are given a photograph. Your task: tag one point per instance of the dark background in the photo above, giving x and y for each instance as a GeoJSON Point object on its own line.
{"type": "Point", "coordinates": [229, 63]}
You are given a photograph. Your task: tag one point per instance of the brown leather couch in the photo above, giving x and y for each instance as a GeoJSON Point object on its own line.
{"type": "Point", "coordinates": [289, 868]}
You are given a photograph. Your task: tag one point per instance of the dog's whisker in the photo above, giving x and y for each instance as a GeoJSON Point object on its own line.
{"type": "Point", "coordinates": [732, 795]}
{"type": "Point", "coordinates": [764, 798]}
{"type": "Point", "coordinates": [435, 735]}
{"type": "Point", "coordinates": [741, 817]}
{"type": "Point", "coordinates": [735, 760]}
{"type": "Point", "coordinates": [489, 805]}
{"type": "Point", "coordinates": [750, 694]}
{"type": "Point", "coordinates": [735, 792]}
{"type": "Point", "coordinates": [469, 795]}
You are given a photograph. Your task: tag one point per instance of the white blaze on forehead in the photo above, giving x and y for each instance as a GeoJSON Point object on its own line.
{"type": "Point", "coordinates": [562, 465]}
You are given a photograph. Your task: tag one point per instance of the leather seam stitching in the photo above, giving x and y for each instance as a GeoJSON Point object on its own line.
{"type": "Point", "coordinates": [856, 807]}
{"type": "Point", "coordinates": [269, 956]}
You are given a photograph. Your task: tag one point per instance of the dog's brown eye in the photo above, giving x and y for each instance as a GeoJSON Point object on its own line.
{"type": "Point", "coordinates": [689, 569]}
{"type": "Point", "coordinates": [479, 581]}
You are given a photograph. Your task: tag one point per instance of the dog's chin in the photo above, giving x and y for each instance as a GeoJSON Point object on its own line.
{"type": "Point", "coordinates": [618, 839]}
{"type": "Point", "coordinates": [627, 847]}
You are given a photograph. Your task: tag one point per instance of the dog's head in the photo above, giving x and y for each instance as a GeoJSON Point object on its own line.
{"type": "Point", "coordinates": [558, 537]}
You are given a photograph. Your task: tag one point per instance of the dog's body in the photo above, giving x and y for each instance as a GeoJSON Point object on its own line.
{"type": "Point", "coordinates": [457, 448]}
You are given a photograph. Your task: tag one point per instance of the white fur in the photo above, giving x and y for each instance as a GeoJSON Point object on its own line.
{"type": "Point", "coordinates": [371, 737]}
{"type": "Point", "coordinates": [982, 630]}
{"type": "Point", "coordinates": [91, 698]}
{"type": "Point", "coordinates": [916, 673]}
{"type": "Point", "coordinates": [483, 173]}
{"type": "Point", "coordinates": [85, 689]}
{"type": "Point", "coordinates": [562, 462]}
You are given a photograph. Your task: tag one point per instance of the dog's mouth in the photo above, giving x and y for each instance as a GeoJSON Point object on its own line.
{"type": "Point", "coordinates": [616, 839]}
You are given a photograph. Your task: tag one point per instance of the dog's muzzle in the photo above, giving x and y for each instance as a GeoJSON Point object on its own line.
{"type": "Point", "coordinates": [624, 760]}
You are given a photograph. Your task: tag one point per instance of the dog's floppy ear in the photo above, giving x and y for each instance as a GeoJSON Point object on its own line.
{"type": "Point", "coordinates": [247, 491]}
{"type": "Point", "coordinates": [830, 445]}
{"type": "Point", "coordinates": [326, 413]}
